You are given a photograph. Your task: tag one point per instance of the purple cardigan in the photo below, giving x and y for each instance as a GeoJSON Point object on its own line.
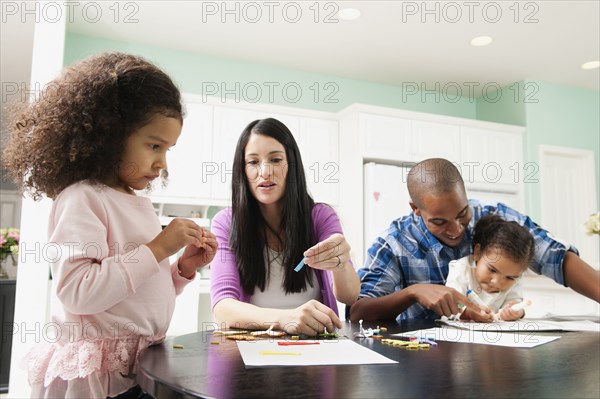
{"type": "Point", "coordinates": [224, 275]}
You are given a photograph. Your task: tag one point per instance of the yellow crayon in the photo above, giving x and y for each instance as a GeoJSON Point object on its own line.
{"type": "Point", "coordinates": [279, 353]}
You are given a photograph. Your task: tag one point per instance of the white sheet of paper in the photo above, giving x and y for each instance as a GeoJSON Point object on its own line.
{"type": "Point", "coordinates": [488, 337]}
{"type": "Point", "coordinates": [327, 352]}
{"type": "Point", "coordinates": [525, 326]}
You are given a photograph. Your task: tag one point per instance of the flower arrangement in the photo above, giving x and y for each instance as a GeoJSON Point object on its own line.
{"type": "Point", "coordinates": [592, 226]}
{"type": "Point", "coordinates": [9, 244]}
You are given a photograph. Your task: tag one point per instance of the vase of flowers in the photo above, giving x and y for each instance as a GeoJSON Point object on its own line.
{"type": "Point", "coordinates": [9, 249]}
{"type": "Point", "coordinates": [592, 226]}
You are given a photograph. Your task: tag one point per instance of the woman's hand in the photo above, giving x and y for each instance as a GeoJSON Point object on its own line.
{"type": "Point", "coordinates": [330, 254]}
{"type": "Point", "coordinates": [310, 319]}
{"type": "Point", "coordinates": [194, 257]}
{"type": "Point", "coordinates": [334, 254]}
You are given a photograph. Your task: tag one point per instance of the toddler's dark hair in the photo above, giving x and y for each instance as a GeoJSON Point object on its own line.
{"type": "Point", "coordinates": [77, 127]}
{"type": "Point", "coordinates": [515, 241]}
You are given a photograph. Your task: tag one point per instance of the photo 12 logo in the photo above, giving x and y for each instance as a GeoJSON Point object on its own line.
{"type": "Point", "coordinates": [452, 12]}
{"type": "Point", "coordinates": [452, 92]}
{"type": "Point", "coordinates": [70, 11]}
{"type": "Point", "coordinates": [252, 12]}
{"type": "Point", "coordinates": [271, 92]}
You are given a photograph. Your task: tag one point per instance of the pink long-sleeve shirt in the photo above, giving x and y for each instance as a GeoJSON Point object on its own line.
{"type": "Point", "coordinates": [116, 298]}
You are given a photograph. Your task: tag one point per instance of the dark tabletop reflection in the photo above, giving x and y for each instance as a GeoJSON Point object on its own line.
{"type": "Point", "coordinates": [566, 368]}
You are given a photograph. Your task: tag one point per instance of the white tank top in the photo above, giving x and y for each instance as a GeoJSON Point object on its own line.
{"type": "Point", "coordinates": [274, 295]}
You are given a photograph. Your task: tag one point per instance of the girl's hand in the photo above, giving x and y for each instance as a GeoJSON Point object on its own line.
{"type": "Point", "coordinates": [507, 314]}
{"type": "Point", "coordinates": [310, 319]}
{"type": "Point", "coordinates": [329, 254]}
{"type": "Point", "coordinates": [194, 257]}
{"type": "Point", "coordinates": [179, 233]}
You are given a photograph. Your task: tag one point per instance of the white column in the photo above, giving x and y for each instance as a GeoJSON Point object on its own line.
{"type": "Point", "coordinates": [32, 282]}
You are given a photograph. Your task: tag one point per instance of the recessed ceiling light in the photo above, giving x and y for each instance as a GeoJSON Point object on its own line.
{"type": "Point", "coordinates": [480, 41]}
{"type": "Point", "coordinates": [591, 65]}
{"type": "Point", "coordinates": [348, 14]}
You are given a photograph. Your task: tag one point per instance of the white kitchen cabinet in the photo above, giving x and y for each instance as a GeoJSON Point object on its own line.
{"type": "Point", "coordinates": [490, 159]}
{"type": "Point", "coordinates": [228, 125]}
{"type": "Point", "coordinates": [166, 212]}
{"type": "Point", "coordinates": [513, 200]}
{"type": "Point", "coordinates": [318, 143]}
{"type": "Point", "coordinates": [188, 159]}
{"type": "Point", "coordinates": [435, 140]}
{"type": "Point", "coordinates": [385, 137]}
{"type": "Point", "coordinates": [389, 138]}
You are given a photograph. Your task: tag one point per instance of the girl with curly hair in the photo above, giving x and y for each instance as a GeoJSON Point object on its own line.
{"type": "Point", "coordinates": [98, 133]}
{"type": "Point", "coordinates": [502, 251]}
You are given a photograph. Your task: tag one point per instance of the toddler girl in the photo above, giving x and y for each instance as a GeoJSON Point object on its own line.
{"type": "Point", "coordinates": [502, 251]}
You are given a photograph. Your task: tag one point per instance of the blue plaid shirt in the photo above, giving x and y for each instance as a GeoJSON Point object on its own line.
{"type": "Point", "coordinates": [407, 253]}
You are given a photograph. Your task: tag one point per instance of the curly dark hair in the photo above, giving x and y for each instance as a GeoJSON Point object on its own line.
{"type": "Point", "coordinates": [77, 127]}
{"type": "Point", "coordinates": [493, 232]}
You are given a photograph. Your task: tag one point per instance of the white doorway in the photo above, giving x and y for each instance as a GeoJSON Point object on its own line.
{"type": "Point", "coordinates": [568, 197]}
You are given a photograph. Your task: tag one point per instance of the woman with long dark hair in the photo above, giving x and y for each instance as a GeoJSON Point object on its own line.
{"type": "Point", "coordinates": [272, 226]}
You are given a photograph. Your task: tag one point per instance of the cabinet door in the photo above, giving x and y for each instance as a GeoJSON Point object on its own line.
{"type": "Point", "coordinates": [228, 126]}
{"type": "Point", "coordinates": [435, 140]}
{"type": "Point", "coordinates": [385, 138]}
{"type": "Point", "coordinates": [490, 157]}
{"type": "Point", "coordinates": [188, 159]}
{"type": "Point", "coordinates": [513, 200]}
{"type": "Point", "coordinates": [318, 142]}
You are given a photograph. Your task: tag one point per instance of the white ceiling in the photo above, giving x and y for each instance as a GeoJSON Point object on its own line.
{"type": "Point", "coordinates": [393, 42]}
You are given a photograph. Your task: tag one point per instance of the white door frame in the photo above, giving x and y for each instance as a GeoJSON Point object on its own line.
{"type": "Point", "coordinates": [585, 198]}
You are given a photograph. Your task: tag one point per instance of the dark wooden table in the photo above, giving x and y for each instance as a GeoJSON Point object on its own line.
{"type": "Point", "coordinates": [565, 368]}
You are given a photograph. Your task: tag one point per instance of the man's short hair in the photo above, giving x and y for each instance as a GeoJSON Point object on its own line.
{"type": "Point", "coordinates": [434, 176]}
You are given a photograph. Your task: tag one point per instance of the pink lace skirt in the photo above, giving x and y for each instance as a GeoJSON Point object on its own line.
{"type": "Point", "coordinates": [85, 368]}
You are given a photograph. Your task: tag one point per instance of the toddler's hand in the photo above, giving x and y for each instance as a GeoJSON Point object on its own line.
{"type": "Point", "coordinates": [507, 314]}
{"type": "Point", "coordinates": [178, 234]}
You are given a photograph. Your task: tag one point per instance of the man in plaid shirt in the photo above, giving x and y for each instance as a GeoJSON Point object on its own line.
{"type": "Point", "coordinates": [406, 268]}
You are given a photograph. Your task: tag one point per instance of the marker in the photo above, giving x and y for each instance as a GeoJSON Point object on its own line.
{"type": "Point", "coordinates": [521, 305]}
{"type": "Point", "coordinates": [300, 266]}
{"type": "Point", "coordinates": [475, 298]}
{"type": "Point", "coordinates": [287, 343]}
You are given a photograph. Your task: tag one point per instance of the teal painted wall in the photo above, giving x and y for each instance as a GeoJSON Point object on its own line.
{"type": "Point", "coordinates": [201, 74]}
{"type": "Point", "coordinates": [506, 105]}
{"type": "Point", "coordinates": [552, 114]}
{"type": "Point", "coordinates": [562, 116]}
